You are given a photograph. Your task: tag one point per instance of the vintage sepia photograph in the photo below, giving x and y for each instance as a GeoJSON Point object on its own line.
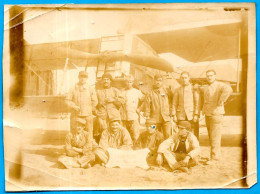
{"type": "Point", "coordinates": [129, 96]}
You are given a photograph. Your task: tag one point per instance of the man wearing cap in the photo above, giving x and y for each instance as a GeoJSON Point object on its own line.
{"type": "Point", "coordinates": [82, 100]}
{"type": "Point", "coordinates": [157, 106]}
{"type": "Point", "coordinates": [181, 151]}
{"type": "Point", "coordinates": [215, 95]}
{"type": "Point", "coordinates": [109, 102]}
{"type": "Point", "coordinates": [129, 112]}
{"type": "Point", "coordinates": [151, 138]}
{"type": "Point", "coordinates": [116, 136]}
{"type": "Point", "coordinates": [79, 147]}
{"type": "Point", "coordinates": [185, 104]}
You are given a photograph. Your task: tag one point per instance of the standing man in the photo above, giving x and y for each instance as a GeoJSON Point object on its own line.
{"type": "Point", "coordinates": [82, 100]}
{"type": "Point", "coordinates": [109, 102]}
{"type": "Point", "coordinates": [130, 111]}
{"type": "Point", "coordinates": [185, 105]}
{"type": "Point", "coordinates": [215, 95]}
{"type": "Point", "coordinates": [157, 107]}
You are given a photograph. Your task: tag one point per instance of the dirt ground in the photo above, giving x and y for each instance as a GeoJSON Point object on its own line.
{"type": "Point", "coordinates": [39, 170]}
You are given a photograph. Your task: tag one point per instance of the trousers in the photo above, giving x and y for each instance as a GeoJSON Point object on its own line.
{"type": "Point", "coordinates": [214, 127]}
{"type": "Point", "coordinates": [166, 128]}
{"type": "Point", "coordinates": [133, 128]}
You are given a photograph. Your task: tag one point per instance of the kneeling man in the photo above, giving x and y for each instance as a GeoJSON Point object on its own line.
{"type": "Point", "coordinates": [79, 146]}
{"type": "Point", "coordinates": [116, 136]}
{"type": "Point", "coordinates": [151, 138]}
{"type": "Point", "coordinates": [181, 151]}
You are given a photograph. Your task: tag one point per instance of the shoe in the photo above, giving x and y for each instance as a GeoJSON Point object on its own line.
{"type": "Point", "coordinates": [184, 169]}
{"type": "Point", "coordinates": [86, 165]}
{"type": "Point", "coordinates": [175, 166]}
{"type": "Point", "coordinates": [212, 162]}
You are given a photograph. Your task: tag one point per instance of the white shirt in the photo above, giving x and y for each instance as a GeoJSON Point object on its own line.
{"type": "Point", "coordinates": [132, 97]}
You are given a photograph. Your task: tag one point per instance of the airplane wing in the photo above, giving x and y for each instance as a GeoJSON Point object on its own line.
{"type": "Point", "coordinates": [198, 41]}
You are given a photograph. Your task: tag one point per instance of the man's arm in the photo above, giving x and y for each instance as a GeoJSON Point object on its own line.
{"type": "Point", "coordinates": [196, 99]}
{"type": "Point", "coordinates": [103, 142]}
{"type": "Point", "coordinates": [119, 100]}
{"type": "Point", "coordinates": [69, 102]}
{"type": "Point", "coordinates": [166, 145]}
{"type": "Point", "coordinates": [225, 92]}
{"type": "Point", "coordinates": [195, 146]}
{"type": "Point", "coordinates": [147, 105]}
{"type": "Point", "coordinates": [127, 141]}
{"type": "Point", "coordinates": [68, 148]}
{"type": "Point", "coordinates": [175, 102]}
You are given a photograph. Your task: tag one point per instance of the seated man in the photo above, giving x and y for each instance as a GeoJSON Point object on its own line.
{"type": "Point", "coordinates": [116, 136]}
{"type": "Point", "coordinates": [151, 138]}
{"type": "Point", "coordinates": [181, 151]}
{"type": "Point", "coordinates": [79, 146]}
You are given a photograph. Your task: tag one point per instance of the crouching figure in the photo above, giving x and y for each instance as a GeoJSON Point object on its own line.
{"type": "Point", "coordinates": [116, 136]}
{"type": "Point", "coordinates": [79, 147]}
{"type": "Point", "coordinates": [181, 150]}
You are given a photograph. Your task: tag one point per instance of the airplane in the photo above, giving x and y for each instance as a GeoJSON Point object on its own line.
{"type": "Point", "coordinates": [199, 43]}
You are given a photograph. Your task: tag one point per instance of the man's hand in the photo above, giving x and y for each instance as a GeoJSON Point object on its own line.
{"type": "Point", "coordinates": [109, 100]}
{"type": "Point", "coordinates": [159, 159]}
{"type": "Point", "coordinates": [195, 118]}
{"type": "Point", "coordinates": [79, 150]}
{"type": "Point", "coordinates": [186, 161]}
{"type": "Point", "coordinates": [76, 108]}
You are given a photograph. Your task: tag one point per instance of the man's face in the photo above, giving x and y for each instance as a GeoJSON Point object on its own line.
{"type": "Point", "coordinates": [82, 80]}
{"type": "Point", "coordinates": [185, 79]}
{"type": "Point", "coordinates": [158, 82]}
{"type": "Point", "coordinates": [79, 128]}
{"type": "Point", "coordinates": [129, 83]}
{"type": "Point", "coordinates": [114, 126]}
{"type": "Point", "coordinates": [106, 82]}
{"type": "Point", "coordinates": [150, 128]}
{"type": "Point", "coordinates": [211, 77]}
{"type": "Point", "coordinates": [183, 132]}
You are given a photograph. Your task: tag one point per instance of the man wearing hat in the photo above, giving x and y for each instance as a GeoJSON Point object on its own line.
{"type": "Point", "coordinates": [180, 151]}
{"type": "Point", "coordinates": [151, 138]}
{"type": "Point", "coordinates": [109, 102]}
{"type": "Point", "coordinates": [82, 100]}
{"type": "Point", "coordinates": [79, 146]}
{"type": "Point", "coordinates": [157, 106]}
{"type": "Point", "coordinates": [116, 136]}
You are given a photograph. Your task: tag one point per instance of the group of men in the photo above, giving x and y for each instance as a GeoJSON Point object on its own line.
{"type": "Point", "coordinates": [115, 117]}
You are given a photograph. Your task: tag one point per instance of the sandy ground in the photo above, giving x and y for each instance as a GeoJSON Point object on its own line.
{"type": "Point", "coordinates": [39, 170]}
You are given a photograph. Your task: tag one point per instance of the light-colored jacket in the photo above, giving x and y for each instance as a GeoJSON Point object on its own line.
{"type": "Point", "coordinates": [185, 102]}
{"type": "Point", "coordinates": [215, 95]}
{"type": "Point", "coordinates": [86, 105]}
{"type": "Point", "coordinates": [172, 143]}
